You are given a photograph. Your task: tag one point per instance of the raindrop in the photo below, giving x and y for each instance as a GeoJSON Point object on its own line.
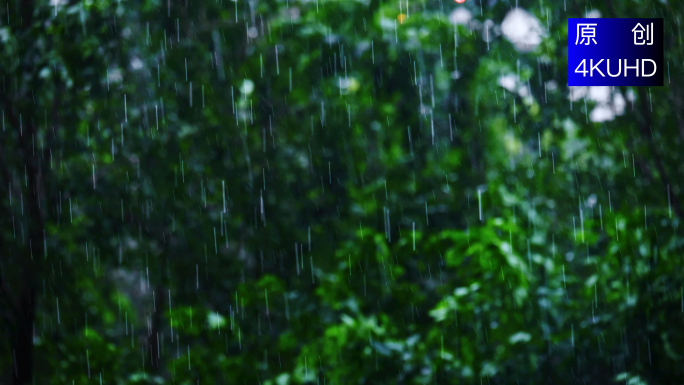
{"type": "Point", "coordinates": [276, 55]}
{"type": "Point", "coordinates": [479, 203]}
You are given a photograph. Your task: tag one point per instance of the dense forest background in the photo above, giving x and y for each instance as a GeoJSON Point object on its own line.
{"type": "Point", "coordinates": [334, 192]}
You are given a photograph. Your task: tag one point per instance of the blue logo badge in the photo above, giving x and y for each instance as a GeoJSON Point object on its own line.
{"type": "Point", "coordinates": [615, 52]}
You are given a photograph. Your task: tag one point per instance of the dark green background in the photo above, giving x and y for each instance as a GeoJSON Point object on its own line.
{"type": "Point", "coordinates": [221, 192]}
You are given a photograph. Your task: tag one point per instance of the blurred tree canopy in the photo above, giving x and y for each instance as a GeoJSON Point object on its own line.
{"type": "Point", "coordinates": [333, 192]}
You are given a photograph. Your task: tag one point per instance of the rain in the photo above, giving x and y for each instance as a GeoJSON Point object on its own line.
{"type": "Point", "coordinates": [334, 192]}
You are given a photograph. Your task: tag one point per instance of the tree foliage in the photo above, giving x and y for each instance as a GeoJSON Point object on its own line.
{"type": "Point", "coordinates": [349, 192]}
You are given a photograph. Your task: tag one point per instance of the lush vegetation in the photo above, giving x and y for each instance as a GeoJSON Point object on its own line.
{"type": "Point", "coordinates": [333, 192]}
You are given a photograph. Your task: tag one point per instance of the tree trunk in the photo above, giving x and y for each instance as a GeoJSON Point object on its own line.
{"type": "Point", "coordinates": [22, 340]}
{"type": "Point", "coordinates": [25, 310]}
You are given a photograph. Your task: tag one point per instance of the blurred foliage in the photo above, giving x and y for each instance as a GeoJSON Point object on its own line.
{"type": "Point", "coordinates": [349, 192]}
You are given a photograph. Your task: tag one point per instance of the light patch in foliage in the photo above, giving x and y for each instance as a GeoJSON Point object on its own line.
{"type": "Point", "coordinates": [520, 337]}
{"type": "Point", "coordinates": [522, 29]}
{"type": "Point", "coordinates": [247, 87]}
{"type": "Point", "coordinates": [347, 320]}
{"type": "Point", "coordinates": [460, 15]}
{"type": "Point", "coordinates": [215, 320]}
